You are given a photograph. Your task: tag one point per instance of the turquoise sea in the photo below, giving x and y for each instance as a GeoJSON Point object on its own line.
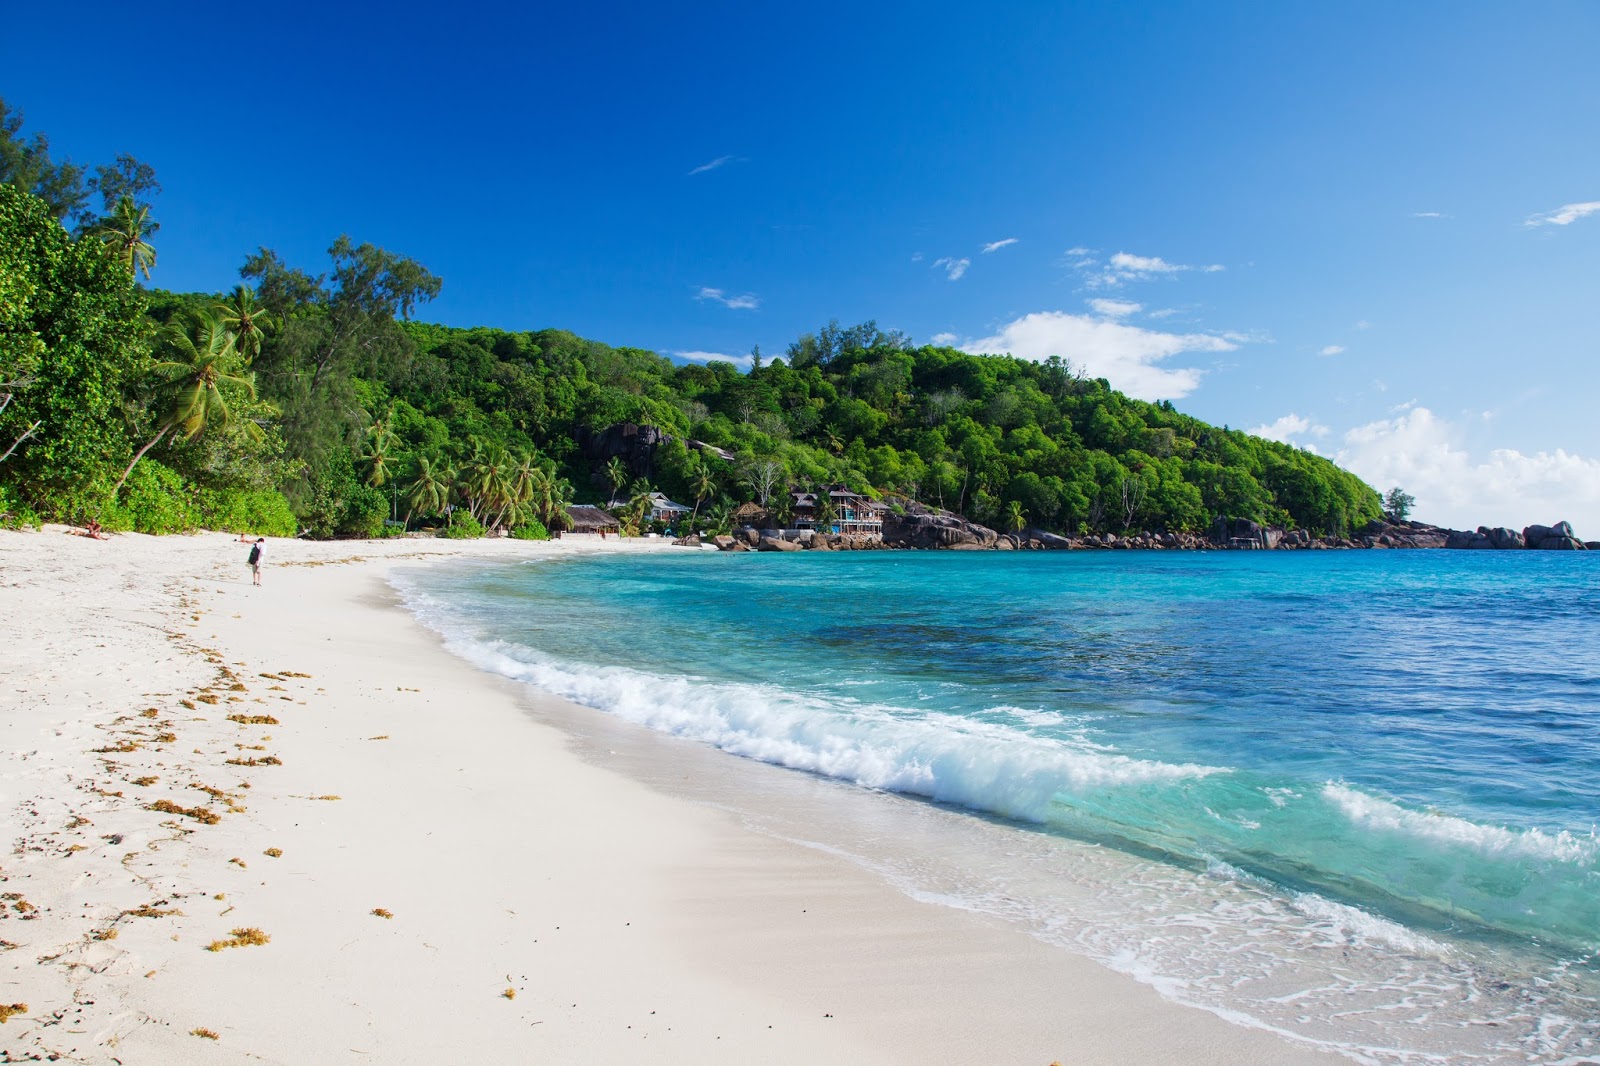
{"type": "Point", "coordinates": [1349, 796]}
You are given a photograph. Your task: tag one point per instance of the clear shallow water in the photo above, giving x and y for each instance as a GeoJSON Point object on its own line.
{"type": "Point", "coordinates": [1269, 761]}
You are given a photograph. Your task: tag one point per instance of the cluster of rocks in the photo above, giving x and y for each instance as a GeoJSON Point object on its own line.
{"type": "Point", "coordinates": [929, 528]}
{"type": "Point", "coordinates": [1558, 537]}
{"type": "Point", "coordinates": [750, 538]}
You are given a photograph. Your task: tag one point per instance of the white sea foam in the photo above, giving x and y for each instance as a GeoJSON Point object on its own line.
{"type": "Point", "coordinates": [948, 758]}
{"type": "Point", "coordinates": [1491, 841]}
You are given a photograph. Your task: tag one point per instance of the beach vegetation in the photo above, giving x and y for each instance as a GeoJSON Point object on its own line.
{"type": "Point", "coordinates": [240, 938]}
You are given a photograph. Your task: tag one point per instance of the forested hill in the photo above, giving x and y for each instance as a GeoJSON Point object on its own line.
{"type": "Point", "coordinates": [973, 434]}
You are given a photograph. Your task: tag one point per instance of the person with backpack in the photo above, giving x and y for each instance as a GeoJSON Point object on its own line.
{"type": "Point", "coordinates": [255, 560]}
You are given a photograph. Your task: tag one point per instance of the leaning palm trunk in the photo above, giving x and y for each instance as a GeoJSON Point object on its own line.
{"type": "Point", "coordinates": [153, 442]}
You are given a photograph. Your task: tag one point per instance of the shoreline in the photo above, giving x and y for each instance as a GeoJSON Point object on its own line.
{"type": "Point", "coordinates": [487, 817]}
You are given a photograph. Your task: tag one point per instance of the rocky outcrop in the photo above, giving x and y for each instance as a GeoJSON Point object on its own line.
{"type": "Point", "coordinates": [726, 543]}
{"type": "Point", "coordinates": [935, 530]}
{"type": "Point", "coordinates": [1558, 537]}
{"type": "Point", "coordinates": [769, 543]}
{"type": "Point", "coordinates": [634, 444]}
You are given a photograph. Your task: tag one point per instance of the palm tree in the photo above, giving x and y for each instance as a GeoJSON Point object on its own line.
{"type": "Point", "coordinates": [248, 320]}
{"type": "Point", "coordinates": [639, 505]}
{"type": "Point", "coordinates": [125, 233]}
{"type": "Point", "coordinates": [188, 387]}
{"type": "Point", "coordinates": [617, 474]}
{"type": "Point", "coordinates": [703, 487]}
{"type": "Point", "coordinates": [380, 442]}
{"type": "Point", "coordinates": [430, 491]}
{"type": "Point", "coordinates": [1016, 518]}
{"type": "Point", "coordinates": [560, 498]}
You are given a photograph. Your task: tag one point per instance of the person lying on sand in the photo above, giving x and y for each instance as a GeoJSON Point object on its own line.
{"type": "Point", "coordinates": [92, 530]}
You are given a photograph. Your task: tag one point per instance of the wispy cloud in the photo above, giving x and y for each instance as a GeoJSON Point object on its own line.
{"type": "Point", "coordinates": [943, 338]}
{"type": "Point", "coordinates": [1565, 215]}
{"type": "Point", "coordinates": [1427, 214]}
{"type": "Point", "coordinates": [916, 257]}
{"type": "Point", "coordinates": [953, 268]}
{"type": "Point", "coordinates": [1125, 266]}
{"type": "Point", "coordinates": [721, 160]}
{"type": "Point", "coordinates": [1125, 355]}
{"type": "Point", "coordinates": [748, 301]}
{"type": "Point", "coordinates": [743, 362]}
{"type": "Point", "coordinates": [995, 246]}
{"type": "Point", "coordinates": [1332, 349]}
{"type": "Point", "coordinates": [1115, 308]}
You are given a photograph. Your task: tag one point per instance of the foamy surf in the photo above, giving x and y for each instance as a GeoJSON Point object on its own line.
{"type": "Point", "coordinates": [1310, 903]}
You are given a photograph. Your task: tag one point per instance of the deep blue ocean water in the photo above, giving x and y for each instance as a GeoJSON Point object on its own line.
{"type": "Point", "coordinates": [1407, 737]}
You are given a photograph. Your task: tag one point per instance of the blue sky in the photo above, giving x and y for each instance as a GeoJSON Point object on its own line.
{"type": "Point", "coordinates": [1343, 225]}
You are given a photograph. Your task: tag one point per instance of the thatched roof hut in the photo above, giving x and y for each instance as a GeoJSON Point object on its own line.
{"type": "Point", "coordinates": [581, 518]}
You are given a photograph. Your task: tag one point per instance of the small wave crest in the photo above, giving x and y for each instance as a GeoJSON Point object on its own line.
{"type": "Point", "coordinates": [1490, 841]}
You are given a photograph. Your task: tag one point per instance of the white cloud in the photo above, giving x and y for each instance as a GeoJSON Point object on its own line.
{"type": "Point", "coordinates": [1423, 454]}
{"type": "Point", "coordinates": [748, 301]}
{"type": "Point", "coordinates": [944, 338]}
{"type": "Point", "coordinates": [1079, 252]}
{"type": "Point", "coordinates": [1426, 214]}
{"type": "Point", "coordinates": [741, 361]}
{"type": "Point", "coordinates": [1332, 349]}
{"type": "Point", "coordinates": [1290, 426]}
{"type": "Point", "coordinates": [1565, 215]}
{"type": "Point", "coordinates": [1124, 355]}
{"type": "Point", "coordinates": [916, 257]}
{"type": "Point", "coordinates": [1142, 264]}
{"type": "Point", "coordinates": [721, 160]}
{"type": "Point", "coordinates": [1363, 324]}
{"type": "Point", "coordinates": [995, 246]}
{"type": "Point", "coordinates": [953, 267]}
{"type": "Point", "coordinates": [1114, 308]}
{"type": "Point", "coordinates": [1125, 266]}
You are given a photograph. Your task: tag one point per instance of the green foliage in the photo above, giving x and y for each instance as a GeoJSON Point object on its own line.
{"type": "Point", "coordinates": [14, 514]}
{"type": "Point", "coordinates": [533, 529]}
{"type": "Point", "coordinates": [340, 505]}
{"type": "Point", "coordinates": [1397, 503]}
{"type": "Point", "coordinates": [72, 337]}
{"type": "Point", "coordinates": [154, 499]}
{"type": "Point", "coordinates": [463, 527]}
{"type": "Point", "coordinates": [263, 512]}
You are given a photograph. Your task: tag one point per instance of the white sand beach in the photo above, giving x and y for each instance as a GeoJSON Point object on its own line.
{"type": "Point", "coordinates": [438, 872]}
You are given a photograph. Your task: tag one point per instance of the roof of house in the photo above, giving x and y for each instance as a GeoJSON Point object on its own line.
{"type": "Point", "coordinates": [583, 515]}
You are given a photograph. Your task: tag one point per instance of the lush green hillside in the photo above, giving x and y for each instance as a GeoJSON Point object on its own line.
{"type": "Point", "coordinates": [312, 401]}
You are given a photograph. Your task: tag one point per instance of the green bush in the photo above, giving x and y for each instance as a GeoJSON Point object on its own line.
{"type": "Point", "coordinates": [263, 512]}
{"type": "Point", "coordinates": [154, 499]}
{"type": "Point", "coordinates": [532, 529]}
{"type": "Point", "coordinates": [14, 514]}
{"type": "Point", "coordinates": [341, 505]}
{"type": "Point", "coordinates": [464, 527]}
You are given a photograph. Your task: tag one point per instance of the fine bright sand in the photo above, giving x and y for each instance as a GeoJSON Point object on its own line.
{"type": "Point", "coordinates": [284, 825]}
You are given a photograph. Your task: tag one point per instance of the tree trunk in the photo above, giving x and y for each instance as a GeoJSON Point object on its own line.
{"type": "Point", "coordinates": [18, 442]}
{"type": "Point", "coordinates": [153, 441]}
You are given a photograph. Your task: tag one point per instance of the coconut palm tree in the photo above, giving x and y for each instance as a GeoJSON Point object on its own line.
{"type": "Point", "coordinates": [248, 320]}
{"type": "Point", "coordinates": [617, 474]}
{"type": "Point", "coordinates": [639, 504]}
{"type": "Point", "coordinates": [430, 490]}
{"type": "Point", "coordinates": [380, 446]}
{"type": "Point", "coordinates": [704, 487]}
{"type": "Point", "coordinates": [126, 232]}
{"type": "Point", "coordinates": [189, 387]}
{"type": "Point", "coordinates": [1016, 518]}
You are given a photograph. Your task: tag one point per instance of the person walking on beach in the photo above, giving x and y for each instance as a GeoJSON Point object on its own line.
{"type": "Point", "coordinates": [255, 560]}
